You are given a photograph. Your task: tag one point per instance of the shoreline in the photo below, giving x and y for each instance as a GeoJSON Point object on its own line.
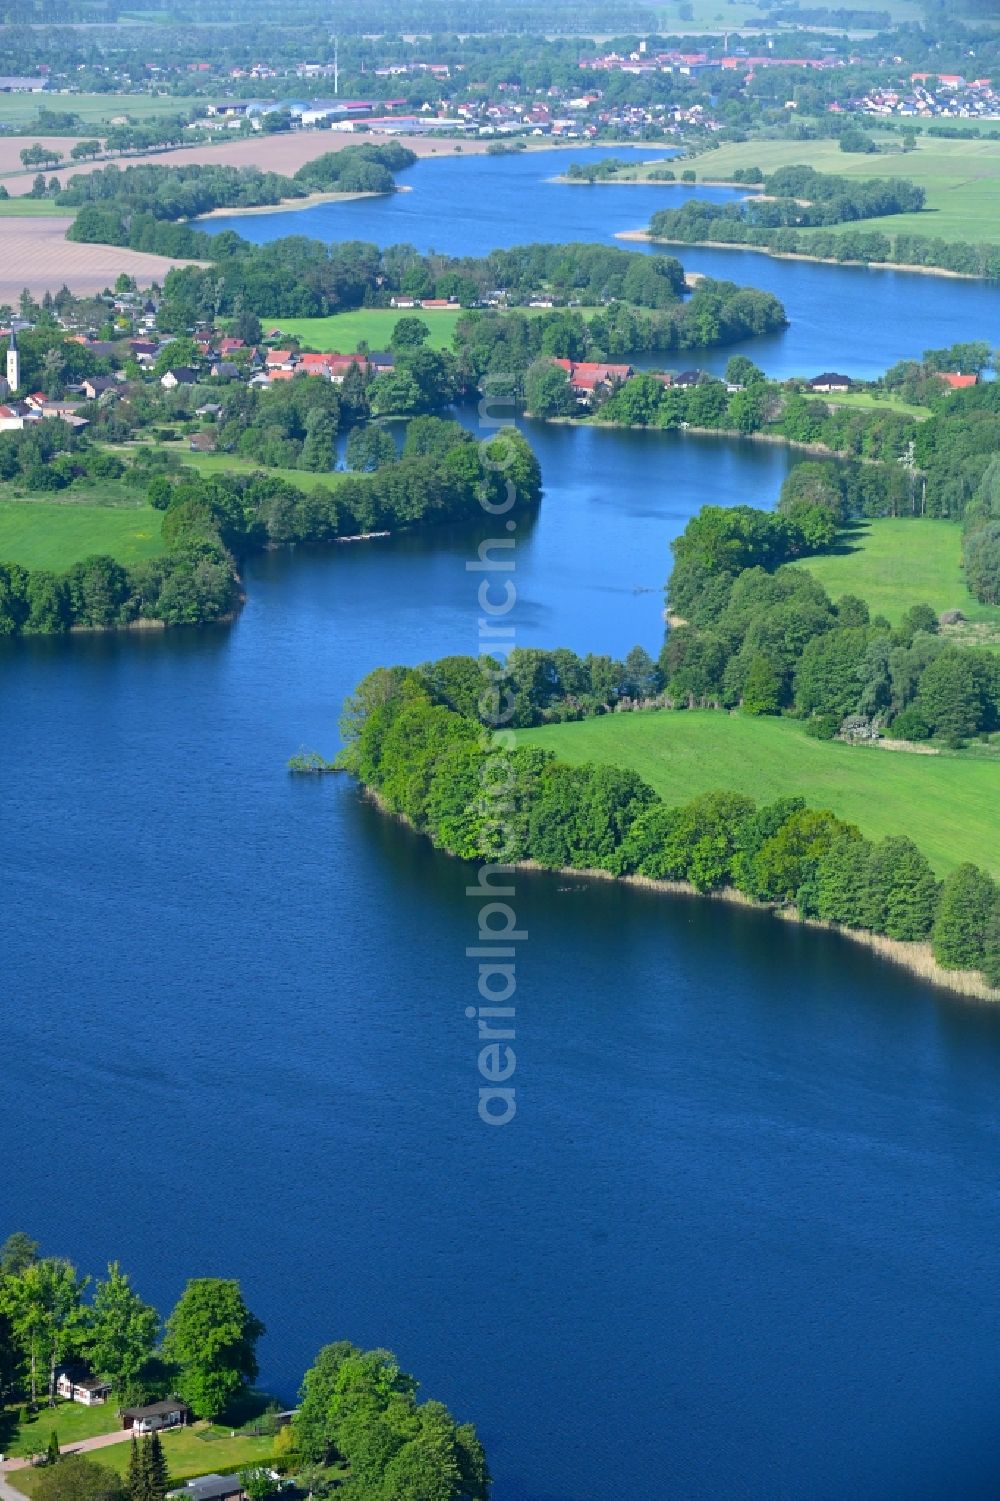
{"type": "Point", "coordinates": [643, 237]}
{"type": "Point", "coordinates": [700, 432]}
{"type": "Point", "coordinates": [750, 188]}
{"type": "Point", "coordinates": [914, 957]}
{"type": "Point", "coordinates": [289, 205]}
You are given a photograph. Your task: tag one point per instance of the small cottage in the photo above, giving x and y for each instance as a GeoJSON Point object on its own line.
{"type": "Point", "coordinates": [169, 1414]}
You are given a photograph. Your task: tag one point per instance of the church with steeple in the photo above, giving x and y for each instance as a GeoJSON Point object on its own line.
{"type": "Point", "coordinates": [13, 361]}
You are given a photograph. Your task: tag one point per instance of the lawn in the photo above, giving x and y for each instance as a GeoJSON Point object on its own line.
{"type": "Point", "coordinates": [55, 534]}
{"type": "Point", "coordinates": [71, 1421]}
{"type": "Point", "coordinates": [948, 804]}
{"type": "Point", "coordinates": [874, 401]}
{"type": "Point", "coordinates": [961, 179]}
{"type": "Point", "coordinates": [896, 563]}
{"type": "Point", "coordinates": [199, 1450]}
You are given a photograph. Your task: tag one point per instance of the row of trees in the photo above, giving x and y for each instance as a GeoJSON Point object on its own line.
{"type": "Point", "coordinates": [697, 222]}
{"type": "Point", "coordinates": [429, 763]}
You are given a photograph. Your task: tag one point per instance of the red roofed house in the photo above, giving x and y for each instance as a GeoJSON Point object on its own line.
{"type": "Point", "coordinates": [957, 382]}
{"type": "Point", "coordinates": [589, 376]}
{"type": "Point", "coordinates": [279, 359]}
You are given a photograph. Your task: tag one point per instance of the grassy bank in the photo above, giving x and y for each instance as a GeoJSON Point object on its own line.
{"type": "Point", "coordinates": [55, 534]}
{"type": "Point", "coordinates": [199, 1450]}
{"type": "Point", "coordinates": [896, 563]}
{"type": "Point", "coordinates": [70, 1420]}
{"type": "Point", "coordinates": [231, 463]}
{"type": "Point", "coordinates": [344, 331]}
{"type": "Point", "coordinates": [948, 804]}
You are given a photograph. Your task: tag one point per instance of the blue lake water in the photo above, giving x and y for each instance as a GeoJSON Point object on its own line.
{"type": "Point", "coordinates": [740, 1241]}
{"type": "Point", "coordinates": [848, 317]}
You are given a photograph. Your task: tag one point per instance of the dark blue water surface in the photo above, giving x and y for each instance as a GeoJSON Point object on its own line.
{"type": "Point", "coordinates": [740, 1240]}
{"type": "Point", "coordinates": [847, 318]}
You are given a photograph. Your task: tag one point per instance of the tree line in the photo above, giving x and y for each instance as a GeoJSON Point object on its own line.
{"type": "Point", "coordinates": [358, 1407]}
{"type": "Point", "coordinates": [413, 741]}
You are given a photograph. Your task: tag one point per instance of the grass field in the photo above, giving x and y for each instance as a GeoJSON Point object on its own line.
{"type": "Point", "coordinates": [198, 1450]}
{"type": "Point", "coordinates": [230, 463]}
{"type": "Point", "coordinates": [31, 208]}
{"type": "Point", "coordinates": [961, 179]}
{"type": "Point", "coordinates": [870, 401]}
{"type": "Point", "coordinates": [96, 109]}
{"type": "Point", "coordinates": [71, 1421]}
{"type": "Point", "coordinates": [948, 804]}
{"type": "Point", "coordinates": [894, 564]}
{"type": "Point", "coordinates": [55, 534]}
{"type": "Point", "coordinates": [344, 331]}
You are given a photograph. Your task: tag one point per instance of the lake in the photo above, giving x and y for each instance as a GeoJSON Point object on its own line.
{"type": "Point", "coordinates": [740, 1240]}
{"type": "Point", "coordinates": [848, 318]}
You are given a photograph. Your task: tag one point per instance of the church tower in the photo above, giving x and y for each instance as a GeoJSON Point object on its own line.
{"type": "Point", "coordinates": [13, 361]}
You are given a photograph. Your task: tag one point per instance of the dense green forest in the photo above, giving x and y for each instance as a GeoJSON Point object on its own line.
{"type": "Point", "coordinates": [415, 738]}
{"type": "Point", "coordinates": [357, 1407]}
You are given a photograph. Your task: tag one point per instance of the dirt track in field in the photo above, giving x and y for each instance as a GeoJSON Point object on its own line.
{"type": "Point", "coordinates": [278, 153]}
{"type": "Point", "coordinates": [34, 253]}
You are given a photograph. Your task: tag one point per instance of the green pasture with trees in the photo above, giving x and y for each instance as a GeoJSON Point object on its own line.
{"type": "Point", "coordinates": [55, 534]}
{"type": "Point", "coordinates": [947, 803]}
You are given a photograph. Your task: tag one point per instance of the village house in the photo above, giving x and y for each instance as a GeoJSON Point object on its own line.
{"type": "Point", "coordinates": [96, 385]}
{"type": "Point", "coordinates": [182, 376]}
{"type": "Point", "coordinates": [156, 1415]}
{"type": "Point", "coordinates": [955, 381]}
{"type": "Point", "coordinates": [830, 381]}
{"type": "Point", "coordinates": [588, 378]}
{"type": "Point", "coordinates": [76, 1384]}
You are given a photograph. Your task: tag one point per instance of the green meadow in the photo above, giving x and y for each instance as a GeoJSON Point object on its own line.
{"type": "Point", "coordinates": [898, 562]}
{"type": "Point", "coordinates": [949, 804]}
{"type": "Point", "coordinates": [55, 534]}
{"type": "Point", "coordinates": [343, 332]}
{"type": "Point", "coordinates": [21, 110]}
{"type": "Point", "coordinates": [199, 1450]}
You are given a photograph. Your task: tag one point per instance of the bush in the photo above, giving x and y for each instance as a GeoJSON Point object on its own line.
{"type": "Point", "coordinates": [823, 726]}
{"type": "Point", "coordinates": [910, 725]}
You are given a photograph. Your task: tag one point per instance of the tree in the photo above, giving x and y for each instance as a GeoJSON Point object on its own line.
{"type": "Point", "coordinates": [258, 1483]}
{"type": "Point", "coordinates": [409, 333]}
{"type": "Point", "coordinates": [313, 1422]}
{"type": "Point", "coordinates": [52, 1449]}
{"type": "Point", "coordinates": [547, 391]}
{"type": "Point", "coordinates": [762, 693]}
{"type": "Point", "coordinates": [123, 1330]}
{"type": "Point", "coordinates": [211, 1335]}
{"type": "Point", "coordinates": [964, 914]}
{"type": "Point", "coordinates": [76, 1478]}
{"type": "Point", "coordinates": [17, 1253]}
{"type": "Point", "coordinates": [370, 447]}
{"type": "Point", "coordinates": [321, 437]}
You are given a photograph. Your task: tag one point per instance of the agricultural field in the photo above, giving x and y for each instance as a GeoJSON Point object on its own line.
{"type": "Point", "coordinates": [948, 803]}
{"type": "Point", "coordinates": [896, 563]}
{"type": "Point", "coordinates": [35, 253]}
{"type": "Point", "coordinates": [55, 534]}
{"type": "Point", "coordinates": [93, 109]}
